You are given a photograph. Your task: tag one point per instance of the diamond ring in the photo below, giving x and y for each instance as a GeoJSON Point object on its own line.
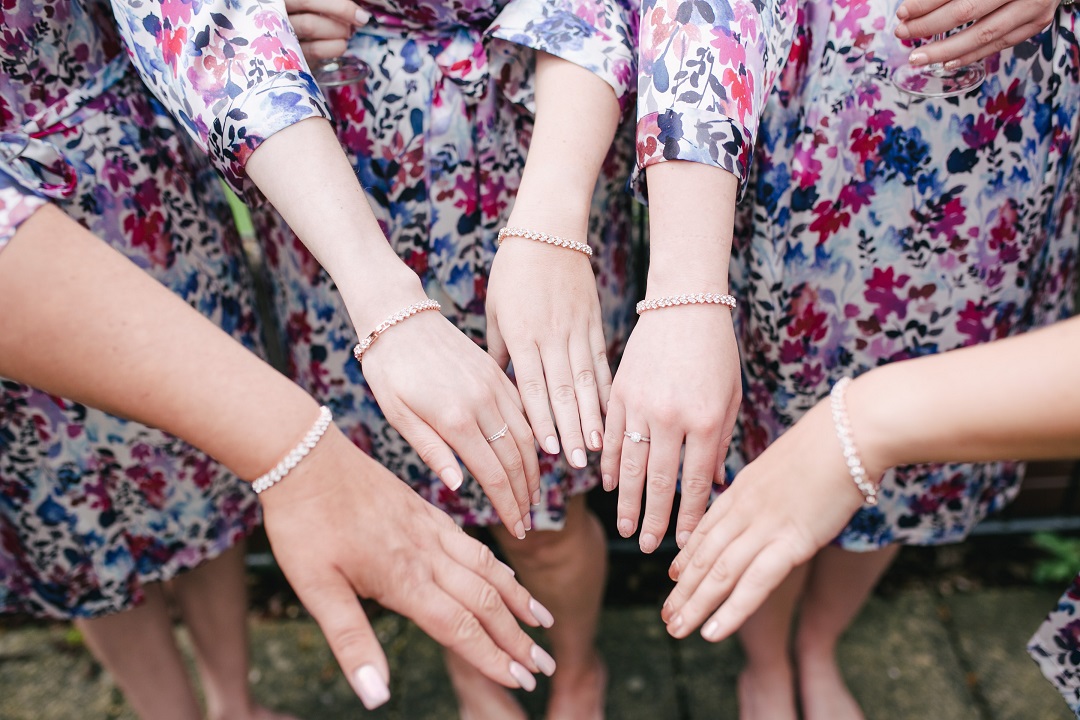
{"type": "Point", "coordinates": [636, 437]}
{"type": "Point", "coordinates": [502, 431]}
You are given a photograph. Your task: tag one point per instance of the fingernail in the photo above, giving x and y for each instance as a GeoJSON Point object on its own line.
{"type": "Point", "coordinates": [528, 522]}
{"type": "Point", "coordinates": [519, 530]}
{"type": "Point", "coordinates": [952, 65]}
{"type": "Point", "coordinates": [917, 58]}
{"type": "Point", "coordinates": [673, 571]}
{"type": "Point", "coordinates": [536, 497]}
{"type": "Point", "coordinates": [541, 613]}
{"type": "Point", "coordinates": [682, 538]}
{"type": "Point", "coordinates": [451, 477]}
{"type": "Point", "coordinates": [597, 440]}
{"type": "Point", "coordinates": [902, 31]}
{"type": "Point", "coordinates": [370, 687]}
{"type": "Point", "coordinates": [608, 483]}
{"type": "Point", "coordinates": [552, 445]}
{"type": "Point", "coordinates": [626, 527]}
{"type": "Point", "coordinates": [507, 568]}
{"type": "Point", "coordinates": [665, 611]}
{"type": "Point", "coordinates": [524, 677]}
{"type": "Point", "coordinates": [902, 12]}
{"type": "Point", "coordinates": [545, 662]}
{"type": "Point", "coordinates": [648, 542]}
{"type": "Point", "coordinates": [675, 624]}
{"type": "Point", "coordinates": [362, 16]}
{"type": "Point", "coordinates": [711, 631]}
{"type": "Point", "coordinates": [578, 458]}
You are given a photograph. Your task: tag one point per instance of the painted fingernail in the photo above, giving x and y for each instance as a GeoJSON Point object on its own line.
{"type": "Point", "coordinates": [648, 542]}
{"type": "Point", "coordinates": [524, 677]}
{"type": "Point", "coordinates": [362, 16]}
{"type": "Point", "coordinates": [675, 624]}
{"type": "Point", "coordinates": [578, 458]}
{"type": "Point", "coordinates": [902, 31]}
{"type": "Point", "coordinates": [541, 613]}
{"type": "Point", "coordinates": [673, 570]}
{"type": "Point", "coordinates": [545, 662]}
{"type": "Point", "coordinates": [711, 631]}
{"type": "Point", "coordinates": [682, 538]}
{"type": "Point", "coordinates": [626, 527]}
{"type": "Point", "coordinates": [917, 58]}
{"type": "Point", "coordinates": [551, 445]}
{"type": "Point", "coordinates": [536, 497]}
{"type": "Point", "coordinates": [507, 568]}
{"type": "Point", "coordinates": [952, 65]}
{"type": "Point", "coordinates": [451, 477]}
{"type": "Point", "coordinates": [519, 530]}
{"type": "Point", "coordinates": [370, 687]}
{"type": "Point", "coordinates": [902, 12]}
{"type": "Point", "coordinates": [597, 440]}
{"type": "Point", "coordinates": [608, 483]}
{"type": "Point", "coordinates": [528, 522]}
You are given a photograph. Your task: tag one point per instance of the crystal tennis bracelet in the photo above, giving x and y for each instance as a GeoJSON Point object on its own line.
{"type": "Point", "coordinates": [847, 442]}
{"type": "Point", "coordinates": [694, 299]}
{"type": "Point", "coordinates": [405, 314]}
{"type": "Point", "coordinates": [508, 232]}
{"type": "Point", "coordinates": [298, 453]}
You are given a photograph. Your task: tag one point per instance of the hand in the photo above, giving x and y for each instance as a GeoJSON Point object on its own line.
{"type": "Point", "coordinates": [780, 510]}
{"type": "Point", "coordinates": [441, 391]}
{"type": "Point", "coordinates": [341, 525]}
{"type": "Point", "coordinates": [679, 380]}
{"type": "Point", "coordinates": [998, 25]}
{"type": "Point", "coordinates": [543, 313]}
{"type": "Point", "coordinates": [325, 26]}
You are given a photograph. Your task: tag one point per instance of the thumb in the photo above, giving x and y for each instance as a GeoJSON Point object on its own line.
{"type": "Point", "coordinates": [431, 448]}
{"type": "Point", "coordinates": [337, 610]}
{"type": "Point", "coordinates": [495, 344]}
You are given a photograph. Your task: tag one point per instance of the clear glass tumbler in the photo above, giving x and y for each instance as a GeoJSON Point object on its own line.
{"type": "Point", "coordinates": [935, 80]}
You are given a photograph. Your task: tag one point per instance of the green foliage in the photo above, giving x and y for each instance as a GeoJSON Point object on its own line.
{"type": "Point", "coordinates": [1062, 561]}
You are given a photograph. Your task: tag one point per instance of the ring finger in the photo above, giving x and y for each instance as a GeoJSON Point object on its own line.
{"type": "Point", "coordinates": [505, 446]}
{"type": "Point", "coordinates": [632, 466]}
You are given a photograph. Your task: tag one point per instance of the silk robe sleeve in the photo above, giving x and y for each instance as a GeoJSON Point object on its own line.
{"type": "Point", "coordinates": [16, 205]}
{"type": "Point", "coordinates": [232, 73]}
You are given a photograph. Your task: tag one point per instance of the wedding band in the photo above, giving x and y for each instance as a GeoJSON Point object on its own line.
{"type": "Point", "coordinates": [636, 437]}
{"type": "Point", "coordinates": [496, 436]}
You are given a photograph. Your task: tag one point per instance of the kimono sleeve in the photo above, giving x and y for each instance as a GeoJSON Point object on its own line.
{"type": "Point", "coordinates": [17, 204]}
{"type": "Point", "coordinates": [232, 73]}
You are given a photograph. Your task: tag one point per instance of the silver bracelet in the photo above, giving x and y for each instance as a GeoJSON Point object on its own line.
{"type": "Point", "coordinates": [847, 442]}
{"type": "Point", "coordinates": [509, 232]}
{"type": "Point", "coordinates": [405, 314]}
{"type": "Point", "coordinates": [298, 453]}
{"type": "Point", "coordinates": [695, 299]}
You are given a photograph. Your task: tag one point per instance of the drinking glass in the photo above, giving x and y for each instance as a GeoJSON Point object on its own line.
{"type": "Point", "coordinates": [937, 81]}
{"type": "Point", "coordinates": [337, 71]}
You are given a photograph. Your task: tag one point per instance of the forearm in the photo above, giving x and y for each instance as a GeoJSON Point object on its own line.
{"type": "Point", "coordinates": [104, 333]}
{"type": "Point", "coordinates": [1012, 399]}
{"type": "Point", "coordinates": [565, 153]}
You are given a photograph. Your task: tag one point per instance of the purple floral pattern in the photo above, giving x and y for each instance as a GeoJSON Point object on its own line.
{"type": "Point", "coordinates": [1055, 646]}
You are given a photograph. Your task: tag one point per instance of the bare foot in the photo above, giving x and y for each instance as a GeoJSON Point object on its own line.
{"type": "Point", "coordinates": [578, 695]}
{"type": "Point", "coordinates": [478, 697]}
{"type": "Point", "coordinates": [767, 693]}
{"type": "Point", "coordinates": [824, 694]}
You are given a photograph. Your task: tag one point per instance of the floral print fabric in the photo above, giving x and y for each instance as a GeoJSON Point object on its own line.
{"type": "Point", "coordinates": [92, 507]}
{"type": "Point", "coordinates": [1055, 646]}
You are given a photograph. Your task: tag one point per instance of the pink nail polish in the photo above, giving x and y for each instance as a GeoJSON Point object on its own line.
{"type": "Point", "coordinates": [524, 677]}
{"type": "Point", "coordinates": [578, 458]}
{"type": "Point", "coordinates": [545, 662]}
{"type": "Point", "coordinates": [551, 444]}
{"type": "Point", "coordinates": [711, 631]}
{"type": "Point", "coordinates": [451, 477]}
{"type": "Point", "coordinates": [917, 58]}
{"type": "Point", "coordinates": [370, 687]}
{"type": "Point", "coordinates": [362, 16]}
{"type": "Point", "coordinates": [608, 484]}
{"type": "Point", "coordinates": [597, 440]}
{"type": "Point", "coordinates": [902, 31]}
{"type": "Point", "coordinates": [541, 613]}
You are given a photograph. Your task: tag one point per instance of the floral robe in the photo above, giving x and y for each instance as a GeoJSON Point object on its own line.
{"type": "Point", "coordinates": [92, 506]}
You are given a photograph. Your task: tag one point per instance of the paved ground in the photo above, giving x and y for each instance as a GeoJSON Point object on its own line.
{"type": "Point", "coordinates": [915, 654]}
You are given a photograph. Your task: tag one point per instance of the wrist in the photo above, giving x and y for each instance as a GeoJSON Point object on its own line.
{"type": "Point", "coordinates": [374, 297]}
{"type": "Point", "coordinates": [873, 406]}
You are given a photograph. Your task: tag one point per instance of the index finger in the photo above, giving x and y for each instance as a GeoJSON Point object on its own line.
{"type": "Point", "coordinates": [345, 11]}
{"type": "Point", "coordinates": [917, 8]}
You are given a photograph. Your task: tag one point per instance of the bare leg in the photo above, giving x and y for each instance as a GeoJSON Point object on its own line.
{"type": "Point", "coordinates": [565, 571]}
{"type": "Point", "coordinates": [767, 683]}
{"type": "Point", "coordinates": [838, 586]}
{"type": "Point", "coordinates": [139, 649]}
{"type": "Point", "coordinates": [213, 602]}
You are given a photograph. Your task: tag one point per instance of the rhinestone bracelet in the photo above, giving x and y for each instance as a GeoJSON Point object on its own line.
{"type": "Point", "coordinates": [416, 307]}
{"type": "Point", "coordinates": [695, 299]}
{"type": "Point", "coordinates": [298, 453]}
{"type": "Point", "coordinates": [508, 232]}
{"type": "Point", "coordinates": [847, 442]}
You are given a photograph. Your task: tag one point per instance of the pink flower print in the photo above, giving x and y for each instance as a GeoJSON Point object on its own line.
{"type": "Point", "coordinates": [269, 20]}
{"type": "Point", "coordinates": [881, 291]}
{"type": "Point", "coordinates": [172, 45]}
{"type": "Point", "coordinates": [176, 12]}
{"type": "Point", "coordinates": [1008, 105]}
{"type": "Point", "coordinates": [982, 132]}
{"type": "Point", "coordinates": [972, 323]}
{"type": "Point", "coordinates": [948, 218]}
{"type": "Point", "coordinates": [829, 219]}
{"type": "Point", "coordinates": [266, 46]}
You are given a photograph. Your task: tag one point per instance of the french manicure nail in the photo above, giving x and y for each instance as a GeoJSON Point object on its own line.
{"type": "Point", "coordinates": [578, 458]}
{"type": "Point", "coordinates": [519, 530]}
{"type": "Point", "coordinates": [528, 522]}
{"type": "Point", "coordinates": [917, 58]}
{"type": "Point", "coordinates": [711, 631]}
{"type": "Point", "coordinates": [536, 497]}
{"type": "Point", "coordinates": [902, 12]}
{"type": "Point", "coordinates": [682, 538]}
{"type": "Point", "coordinates": [541, 613]}
{"type": "Point", "coordinates": [902, 31]}
{"type": "Point", "coordinates": [545, 662]}
{"type": "Point", "coordinates": [362, 16]}
{"type": "Point", "coordinates": [608, 483]}
{"type": "Point", "coordinates": [626, 527]}
{"type": "Point", "coordinates": [648, 542]}
{"type": "Point", "coordinates": [551, 444]}
{"type": "Point", "coordinates": [597, 440]}
{"type": "Point", "coordinates": [370, 687]}
{"type": "Point", "coordinates": [507, 568]}
{"type": "Point", "coordinates": [524, 677]}
{"type": "Point", "coordinates": [451, 477]}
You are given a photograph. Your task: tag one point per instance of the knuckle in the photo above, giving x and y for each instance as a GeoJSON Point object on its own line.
{"type": "Point", "coordinates": [661, 483]}
{"type": "Point", "coordinates": [585, 379]}
{"type": "Point", "coordinates": [465, 627]}
{"type": "Point", "coordinates": [563, 394]}
{"type": "Point", "coordinates": [458, 420]}
{"type": "Point", "coordinates": [532, 390]}
{"type": "Point", "coordinates": [696, 485]}
{"type": "Point", "coordinates": [985, 36]}
{"type": "Point", "coordinates": [485, 559]}
{"type": "Point", "coordinates": [667, 414]}
{"type": "Point", "coordinates": [351, 640]}
{"type": "Point", "coordinates": [600, 358]}
{"type": "Point", "coordinates": [496, 481]}
{"type": "Point", "coordinates": [718, 573]}
{"type": "Point", "coordinates": [514, 465]}
{"type": "Point", "coordinates": [631, 468]}
{"type": "Point", "coordinates": [966, 11]}
{"type": "Point", "coordinates": [489, 601]}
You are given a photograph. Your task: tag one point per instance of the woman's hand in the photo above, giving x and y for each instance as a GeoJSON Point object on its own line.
{"type": "Point", "coordinates": [341, 526]}
{"type": "Point", "coordinates": [441, 391]}
{"type": "Point", "coordinates": [543, 313]}
{"type": "Point", "coordinates": [998, 25]}
{"type": "Point", "coordinates": [679, 381]}
{"type": "Point", "coordinates": [325, 26]}
{"type": "Point", "coordinates": [791, 501]}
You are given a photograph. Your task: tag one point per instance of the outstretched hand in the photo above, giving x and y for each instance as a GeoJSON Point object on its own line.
{"type": "Point", "coordinates": [341, 525]}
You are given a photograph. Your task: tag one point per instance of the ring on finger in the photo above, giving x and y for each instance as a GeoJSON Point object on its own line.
{"type": "Point", "coordinates": [500, 433]}
{"type": "Point", "coordinates": [635, 437]}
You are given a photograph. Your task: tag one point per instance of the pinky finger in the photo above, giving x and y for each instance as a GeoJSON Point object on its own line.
{"type": "Point", "coordinates": [324, 49]}
{"type": "Point", "coordinates": [762, 576]}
